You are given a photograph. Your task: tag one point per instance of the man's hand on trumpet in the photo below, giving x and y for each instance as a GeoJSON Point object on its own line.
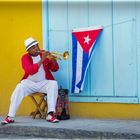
{"type": "Point", "coordinates": [46, 54]}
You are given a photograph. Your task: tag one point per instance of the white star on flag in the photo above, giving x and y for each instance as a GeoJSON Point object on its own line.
{"type": "Point", "coordinates": [87, 39]}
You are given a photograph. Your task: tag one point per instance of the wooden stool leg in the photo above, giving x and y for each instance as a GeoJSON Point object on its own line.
{"type": "Point", "coordinates": [43, 109]}
{"type": "Point", "coordinates": [37, 111]}
{"type": "Point", "coordinates": [38, 107]}
{"type": "Point", "coordinates": [41, 105]}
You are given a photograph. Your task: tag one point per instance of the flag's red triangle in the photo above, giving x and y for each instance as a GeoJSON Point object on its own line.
{"type": "Point", "coordinates": [87, 38]}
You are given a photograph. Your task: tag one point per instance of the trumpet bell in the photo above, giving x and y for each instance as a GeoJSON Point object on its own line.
{"type": "Point", "coordinates": [66, 55]}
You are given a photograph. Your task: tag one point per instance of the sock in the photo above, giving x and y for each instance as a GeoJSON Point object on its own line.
{"type": "Point", "coordinates": [12, 118]}
{"type": "Point", "coordinates": [51, 112]}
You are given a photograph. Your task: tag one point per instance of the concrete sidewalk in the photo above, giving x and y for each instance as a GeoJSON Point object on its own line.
{"type": "Point", "coordinates": [73, 128]}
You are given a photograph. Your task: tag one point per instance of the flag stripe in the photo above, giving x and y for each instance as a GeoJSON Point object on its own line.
{"type": "Point", "coordinates": [78, 67]}
{"type": "Point", "coordinates": [83, 68]}
{"type": "Point", "coordinates": [74, 62]}
{"type": "Point", "coordinates": [90, 54]}
{"type": "Point", "coordinates": [79, 64]}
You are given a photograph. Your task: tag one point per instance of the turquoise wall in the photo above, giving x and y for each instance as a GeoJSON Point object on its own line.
{"type": "Point", "coordinates": [113, 74]}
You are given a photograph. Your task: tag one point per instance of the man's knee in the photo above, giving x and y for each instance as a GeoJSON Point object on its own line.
{"type": "Point", "coordinates": [54, 83]}
{"type": "Point", "coordinates": [18, 85]}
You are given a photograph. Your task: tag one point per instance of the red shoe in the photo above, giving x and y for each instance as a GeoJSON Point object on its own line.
{"type": "Point", "coordinates": [7, 121]}
{"type": "Point", "coordinates": [52, 118]}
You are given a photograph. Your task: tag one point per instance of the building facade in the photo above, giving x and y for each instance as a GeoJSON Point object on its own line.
{"type": "Point", "coordinates": [112, 87]}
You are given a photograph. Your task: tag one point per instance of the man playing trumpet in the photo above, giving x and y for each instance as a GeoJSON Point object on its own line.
{"type": "Point", "coordinates": [37, 65]}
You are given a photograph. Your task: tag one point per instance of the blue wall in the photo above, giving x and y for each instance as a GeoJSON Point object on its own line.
{"type": "Point", "coordinates": [113, 74]}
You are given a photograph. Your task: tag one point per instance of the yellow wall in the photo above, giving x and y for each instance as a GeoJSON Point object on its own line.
{"type": "Point", "coordinates": [106, 110]}
{"type": "Point", "coordinates": [18, 21]}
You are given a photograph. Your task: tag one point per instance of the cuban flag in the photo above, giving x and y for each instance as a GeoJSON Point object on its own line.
{"type": "Point", "coordinates": [83, 44]}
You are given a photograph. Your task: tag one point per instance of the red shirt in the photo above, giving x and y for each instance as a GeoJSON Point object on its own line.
{"type": "Point", "coordinates": [30, 68]}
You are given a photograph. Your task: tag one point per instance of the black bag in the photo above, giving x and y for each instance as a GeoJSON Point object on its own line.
{"type": "Point", "coordinates": [62, 107]}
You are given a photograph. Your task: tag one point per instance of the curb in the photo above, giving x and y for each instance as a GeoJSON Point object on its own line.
{"type": "Point", "coordinates": [63, 133]}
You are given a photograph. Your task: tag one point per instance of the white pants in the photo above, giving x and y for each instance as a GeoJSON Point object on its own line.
{"type": "Point", "coordinates": [27, 87]}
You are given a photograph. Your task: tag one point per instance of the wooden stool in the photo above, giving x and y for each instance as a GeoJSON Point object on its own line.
{"type": "Point", "coordinates": [41, 105]}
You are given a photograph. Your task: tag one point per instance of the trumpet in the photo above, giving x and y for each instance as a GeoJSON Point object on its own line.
{"type": "Point", "coordinates": [58, 56]}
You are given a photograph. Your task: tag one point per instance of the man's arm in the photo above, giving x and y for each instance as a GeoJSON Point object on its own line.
{"type": "Point", "coordinates": [28, 66]}
{"type": "Point", "coordinates": [53, 65]}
